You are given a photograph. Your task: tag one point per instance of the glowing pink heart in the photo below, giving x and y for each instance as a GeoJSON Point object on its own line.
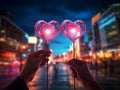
{"type": "Point", "coordinates": [73, 30]}
{"type": "Point", "coordinates": [47, 31]}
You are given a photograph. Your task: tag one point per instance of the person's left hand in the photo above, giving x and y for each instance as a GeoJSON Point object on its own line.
{"type": "Point", "coordinates": [34, 61]}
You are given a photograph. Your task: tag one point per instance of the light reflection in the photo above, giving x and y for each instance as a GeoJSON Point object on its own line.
{"type": "Point", "coordinates": [47, 31]}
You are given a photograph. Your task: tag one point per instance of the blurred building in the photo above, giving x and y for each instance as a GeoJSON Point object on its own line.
{"type": "Point", "coordinates": [106, 31]}
{"type": "Point", "coordinates": [96, 32]}
{"type": "Point", "coordinates": [12, 40]}
{"type": "Point", "coordinates": [109, 26]}
{"type": "Point", "coordinates": [90, 39]}
{"type": "Point", "coordinates": [77, 48]}
{"type": "Point", "coordinates": [84, 48]}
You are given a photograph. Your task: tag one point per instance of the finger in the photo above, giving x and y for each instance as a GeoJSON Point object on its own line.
{"type": "Point", "coordinates": [72, 66]}
{"type": "Point", "coordinates": [74, 60]}
{"type": "Point", "coordinates": [45, 52]}
{"type": "Point", "coordinates": [42, 60]}
{"type": "Point", "coordinates": [40, 56]}
{"type": "Point", "coordinates": [77, 63]}
{"type": "Point", "coordinates": [72, 63]}
{"type": "Point", "coordinates": [40, 52]}
{"type": "Point", "coordinates": [73, 72]}
{"type": "Point", "coordinates": [43, 63]}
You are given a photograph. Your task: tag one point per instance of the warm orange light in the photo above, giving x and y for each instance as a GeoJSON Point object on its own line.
{"type": "Point", "coordinates": [108, 54]}
{"type": "Point", "coordinates": [2, 39]}
{"type": "Point", "coordinates": [23, 47]}
{"type": "Point", "coordinates": [104, 54]}
{"type": "Point", "coordinates": [90, 53]}
{"type": "Point", "coordinates": [96, 18]}
{"type": "Point", "coordinates": [9, 54]}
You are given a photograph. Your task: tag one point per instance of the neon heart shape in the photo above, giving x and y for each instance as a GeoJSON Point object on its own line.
{"type": "Point", "coordinates": [47, 31]}
{"type": "Point", "coordinates": [73, 30]}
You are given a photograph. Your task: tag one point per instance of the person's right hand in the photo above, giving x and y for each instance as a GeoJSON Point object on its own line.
{"type": "Point", "coordinates": [81, 72]}
{"type": "Point", "coordinates": [34, 61]}
{"type": "Point", "coordinates": [77, 66]}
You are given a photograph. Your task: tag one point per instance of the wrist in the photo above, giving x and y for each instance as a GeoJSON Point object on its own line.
{"type": "Point", "coordinates": [23, 76]}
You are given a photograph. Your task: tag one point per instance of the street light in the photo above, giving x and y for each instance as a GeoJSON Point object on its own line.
{"type": "Point", "coordinates": [32, 40]}
{"type": "Point", "coordinates": [21, 49]}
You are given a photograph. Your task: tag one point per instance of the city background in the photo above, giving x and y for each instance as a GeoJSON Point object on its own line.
{"type": "Point", "coordinates": [101, 51]}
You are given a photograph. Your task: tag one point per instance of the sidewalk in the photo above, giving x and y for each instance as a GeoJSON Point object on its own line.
{"type": "Point", "coordinates": [109, 81]}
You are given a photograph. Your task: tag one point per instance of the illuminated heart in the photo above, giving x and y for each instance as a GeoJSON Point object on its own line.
{"type": "Point", "coordinates": [73, 30]}
{"type": "Point", "coordinates": [47, 31]}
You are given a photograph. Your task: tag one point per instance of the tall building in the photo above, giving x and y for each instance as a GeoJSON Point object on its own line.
{"type": "Point", "coordinates": [106, 31]}
{"type": "Point", "coordinates": [109, 26]}
{"type": "Point", "coordinates": [11, 39]}
{"type": "Point", "coordinates": [84, 48]}
{"type": "Point", "coordinates": [96, 32]}
{"type": "Point", "coordinates": [90, 38]}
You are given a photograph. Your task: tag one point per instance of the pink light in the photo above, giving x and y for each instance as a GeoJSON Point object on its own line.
{"type": "Point", "coordinates": [73, 30]}
{"type": "Point", "coordinates": [15, 62]}
{"type": "Point", "coordinates": [47, 31]}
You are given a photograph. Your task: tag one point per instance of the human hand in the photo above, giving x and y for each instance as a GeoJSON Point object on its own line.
{"type": "Point", "coordinates": [81, 71]}
{"type": "Point", "coordinates": [77, 66]}
{"type": "Point", "coordinates": [33, 62]}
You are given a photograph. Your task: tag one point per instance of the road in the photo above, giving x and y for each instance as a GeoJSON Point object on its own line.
{"type": "Point", "coordinates": [59, 78]}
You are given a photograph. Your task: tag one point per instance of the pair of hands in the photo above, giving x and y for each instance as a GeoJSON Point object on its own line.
{"type": "Point", "coordinates": [33, 62]}
{"type": "Point", "coordinates": [79, 69]}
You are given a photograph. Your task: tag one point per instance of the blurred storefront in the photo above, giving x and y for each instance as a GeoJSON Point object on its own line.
{"type": "Point", "coordinates": [13, 41]}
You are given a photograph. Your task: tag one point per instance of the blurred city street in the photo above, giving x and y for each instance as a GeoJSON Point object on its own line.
{"type": "Point", "coordinates": [60, 78]}
{"type": "Point", "coordinates": [70, 29]}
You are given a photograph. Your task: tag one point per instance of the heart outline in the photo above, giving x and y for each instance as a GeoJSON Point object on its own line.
{"type": "Point", "coordinates": [64, 25]}
{"type": "Point", "coordinates": [39, 26]}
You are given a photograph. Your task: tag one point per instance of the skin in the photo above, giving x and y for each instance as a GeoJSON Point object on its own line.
{"type": "Point", "coordinates": [33, 62]}
{"type": "Point", "coordinates": [81, 72]}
